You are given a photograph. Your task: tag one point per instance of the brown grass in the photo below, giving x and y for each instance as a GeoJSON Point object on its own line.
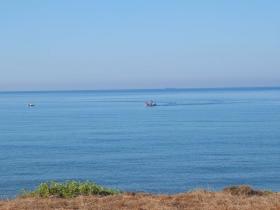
{"type": "Point", "coordinates": [232, 198]}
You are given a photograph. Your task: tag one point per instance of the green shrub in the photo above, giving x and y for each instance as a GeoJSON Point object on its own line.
{"type": "Point", "coordinates": [69, 189]}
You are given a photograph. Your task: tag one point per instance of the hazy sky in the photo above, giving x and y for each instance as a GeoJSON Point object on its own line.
{"type": "Point", "coordinates": [108, 44]}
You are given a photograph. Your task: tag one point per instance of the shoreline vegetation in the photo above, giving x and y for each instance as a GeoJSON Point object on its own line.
{"type": "Point", "coordinates": [88, 195]}
{"type": "Point", "coordinates": [69, 189]}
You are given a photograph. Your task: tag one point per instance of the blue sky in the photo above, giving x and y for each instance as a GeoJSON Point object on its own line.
{"type": "Point", "coordinates": [108, 44]}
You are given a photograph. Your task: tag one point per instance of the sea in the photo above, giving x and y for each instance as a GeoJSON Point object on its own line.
{"type": "Point", "coordinates": [193, 138]}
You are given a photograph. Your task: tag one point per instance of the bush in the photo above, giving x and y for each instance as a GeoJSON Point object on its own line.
{"type": "Point", "coordinates": [69, 189]}
{"type": "Point", "coordinates": [245, 191]}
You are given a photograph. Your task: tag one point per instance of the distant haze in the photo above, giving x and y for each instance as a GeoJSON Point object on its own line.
{"type": "Point", "coordinates": [108, 44]}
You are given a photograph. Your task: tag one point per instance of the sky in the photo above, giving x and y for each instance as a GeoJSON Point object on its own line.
{"type": "Point", "coordinates": [109, 44]}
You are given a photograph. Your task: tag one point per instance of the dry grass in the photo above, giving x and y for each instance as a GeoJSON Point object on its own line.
{"type": "Point", "coordinates": [234, 198]}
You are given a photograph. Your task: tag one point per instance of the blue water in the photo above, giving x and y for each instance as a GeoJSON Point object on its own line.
{"type": "Point", "coordinates": [207, 138]}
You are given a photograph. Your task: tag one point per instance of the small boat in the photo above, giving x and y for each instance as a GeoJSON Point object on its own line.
{"type": "Point", "coordinates": [30, 105]}
{"type": "Point", "coordinates": [150, 103]}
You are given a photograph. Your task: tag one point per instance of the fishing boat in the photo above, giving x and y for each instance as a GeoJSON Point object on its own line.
{"type": "Point", "coordinates": [30, 105]}
{"type": "Point", "coordinates": [150, 103]}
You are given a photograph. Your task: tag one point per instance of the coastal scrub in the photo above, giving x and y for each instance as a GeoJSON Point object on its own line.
{"type": "Point", "coordinates": [69, 189]}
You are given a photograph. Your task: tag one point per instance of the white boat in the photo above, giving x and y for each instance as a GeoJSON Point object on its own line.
{"type": "Point", "coordinates": [150, 103]}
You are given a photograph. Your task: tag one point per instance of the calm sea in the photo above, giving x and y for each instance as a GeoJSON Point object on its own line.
{"type": "Point", "coordinates": [207, 138]}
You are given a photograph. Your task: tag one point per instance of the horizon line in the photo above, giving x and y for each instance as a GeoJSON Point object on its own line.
{"type": "Point", "coordinates": [144, 89]}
